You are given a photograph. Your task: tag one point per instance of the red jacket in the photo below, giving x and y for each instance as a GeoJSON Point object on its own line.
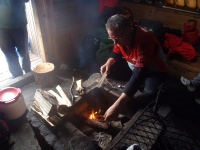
{"type": "Point", "coordinates": [176, 45]}
{"type": "Point", "coordinates": [107, 3]}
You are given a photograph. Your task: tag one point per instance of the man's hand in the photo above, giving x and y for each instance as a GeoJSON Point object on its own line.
{"type": "Point", "coordinates": [112, 113]}
{"type": "Point", "coordinates": [106, 67]}
{"type": "Point", "coordinates": [114, 110]}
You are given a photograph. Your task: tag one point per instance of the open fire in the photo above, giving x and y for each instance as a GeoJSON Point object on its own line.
{"type": "Point", "coordinates": [90, 120]}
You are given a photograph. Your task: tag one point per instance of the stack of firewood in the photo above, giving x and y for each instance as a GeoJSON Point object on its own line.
{"type": "Point", "coordinates": [50, 106]}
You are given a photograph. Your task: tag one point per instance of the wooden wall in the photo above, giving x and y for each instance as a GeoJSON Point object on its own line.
{"type": "Point", "coordinates": [74, 19]}
{"type": "Point", "coordinates": [175, 20]}
{"type": "Point", "coordinates": [170, 18]}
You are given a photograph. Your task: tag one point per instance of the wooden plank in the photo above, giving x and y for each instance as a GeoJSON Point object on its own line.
{"type": "Point", "coordinates": [48, 29]}
{"type": "Point", "coordinates": [38, 30]}
{"type": "Point", "coordinates": [19, 81]}
{"type": "Point", "coordinates": [178, 69]}
{"type": "Point", "coordinates": [82, 27]}
{"type": "Point", "coordinates": [72, 20]}
{"type": "Point", "coordinates": [170, 18]}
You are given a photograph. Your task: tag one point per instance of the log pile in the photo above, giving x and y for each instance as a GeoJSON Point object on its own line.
{"type": "Point", "coordinates": [49, 106]}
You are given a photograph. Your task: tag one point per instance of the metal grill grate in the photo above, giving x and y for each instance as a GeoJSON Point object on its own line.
{"type": "Point", "coordinates": [153, 132]}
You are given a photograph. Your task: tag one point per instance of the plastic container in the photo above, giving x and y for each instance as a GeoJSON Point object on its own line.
{"type": "Point", "coordinates": [12, 103]}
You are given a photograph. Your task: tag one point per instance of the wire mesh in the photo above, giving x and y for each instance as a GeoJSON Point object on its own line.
{"type": "Point", "coordinates": [153, 132]}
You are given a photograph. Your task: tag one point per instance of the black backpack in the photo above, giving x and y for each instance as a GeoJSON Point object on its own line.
{"type": "Point", "coordinates": [87, 51]}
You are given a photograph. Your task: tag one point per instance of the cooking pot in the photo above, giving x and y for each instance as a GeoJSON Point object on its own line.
{"type": "Point", "coordinates": [12, 103]}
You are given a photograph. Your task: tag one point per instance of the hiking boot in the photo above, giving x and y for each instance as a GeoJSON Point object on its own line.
{"type": "Point", "coordinates": [186, 82]}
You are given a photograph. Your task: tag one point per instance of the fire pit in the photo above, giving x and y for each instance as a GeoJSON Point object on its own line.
{"type": "Point", "coordinates": [85, 124]}
{"type": "Point", "coordinates": [87, 115]}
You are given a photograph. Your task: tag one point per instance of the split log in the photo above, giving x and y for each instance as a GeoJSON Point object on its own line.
{"type": "Point", "coordinates": [59, 99]}
{"type": "Point", "coordinates": [42, 117]}
{"type": "Point", "coordinates": [64, 96]}
{"type": "Point", "coordinates": [44, 74]}
{"type": "Point", "coordinates": [45, 106]}
{"type": "Point", "coordinates": [49, 97]}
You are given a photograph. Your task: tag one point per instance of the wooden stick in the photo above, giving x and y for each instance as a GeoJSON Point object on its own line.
{"type": "Point", "coordinates": [102, 80]}
{"type": "Point", "coordinates": [71, 89]}
{"type": "Point", "coordinates": [79, 88]}
{"type": "Point", "coordinates": [63, 95]}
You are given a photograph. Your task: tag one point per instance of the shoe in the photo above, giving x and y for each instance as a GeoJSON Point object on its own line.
{"type": "Point", "coordinates": [197, 100]}
{"type": "Point", "coordinates": [186, 82]}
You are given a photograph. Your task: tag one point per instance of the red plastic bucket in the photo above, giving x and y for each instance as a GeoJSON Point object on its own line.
{"type": "Point", "coordinates": [12, 103]}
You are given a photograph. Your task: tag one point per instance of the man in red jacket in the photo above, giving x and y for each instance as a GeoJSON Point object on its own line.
{"type": "Point", "coordinates": [144, 56]}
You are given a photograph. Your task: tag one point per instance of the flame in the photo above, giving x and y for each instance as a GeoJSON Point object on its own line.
{"type": "Point", "coordinates": [92, 116]}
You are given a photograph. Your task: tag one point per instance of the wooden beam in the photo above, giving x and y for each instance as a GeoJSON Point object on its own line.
{"type": "Point", "coordinates": [38, 30]}
{"type": "Point", "coordinates": [48, 30]}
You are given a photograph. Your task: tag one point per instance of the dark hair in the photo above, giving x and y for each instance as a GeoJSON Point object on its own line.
{"type": "Point", "coordinates": [117, 22]}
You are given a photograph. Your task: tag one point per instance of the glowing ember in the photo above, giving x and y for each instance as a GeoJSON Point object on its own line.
{"type": "Point", "coordinates": [92, 116]}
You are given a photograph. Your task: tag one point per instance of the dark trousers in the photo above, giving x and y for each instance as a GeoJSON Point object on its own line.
{"type": "Point", "coordinates": [9, 39]}
{"type": "Point", "coordinates": [153, 81]}
{"type": "Point", "coordinates": [148, 91]}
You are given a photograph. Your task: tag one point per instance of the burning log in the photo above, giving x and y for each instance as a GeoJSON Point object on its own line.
{"type": "Point", "coordinates": [96, 124]}
{"type": "Point", "coordinates": [93, 123]}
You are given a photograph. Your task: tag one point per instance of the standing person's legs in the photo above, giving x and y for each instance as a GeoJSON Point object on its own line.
{"type": "Point", "coordinates": [21, 40]}
{"type": "Point", "coordinates": [7, 45]}
{"type": "Point", "coordinates": [196, 81]}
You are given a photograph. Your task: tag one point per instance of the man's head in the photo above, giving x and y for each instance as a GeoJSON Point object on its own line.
{"type": "Point", "coordinates": [118, 29]}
